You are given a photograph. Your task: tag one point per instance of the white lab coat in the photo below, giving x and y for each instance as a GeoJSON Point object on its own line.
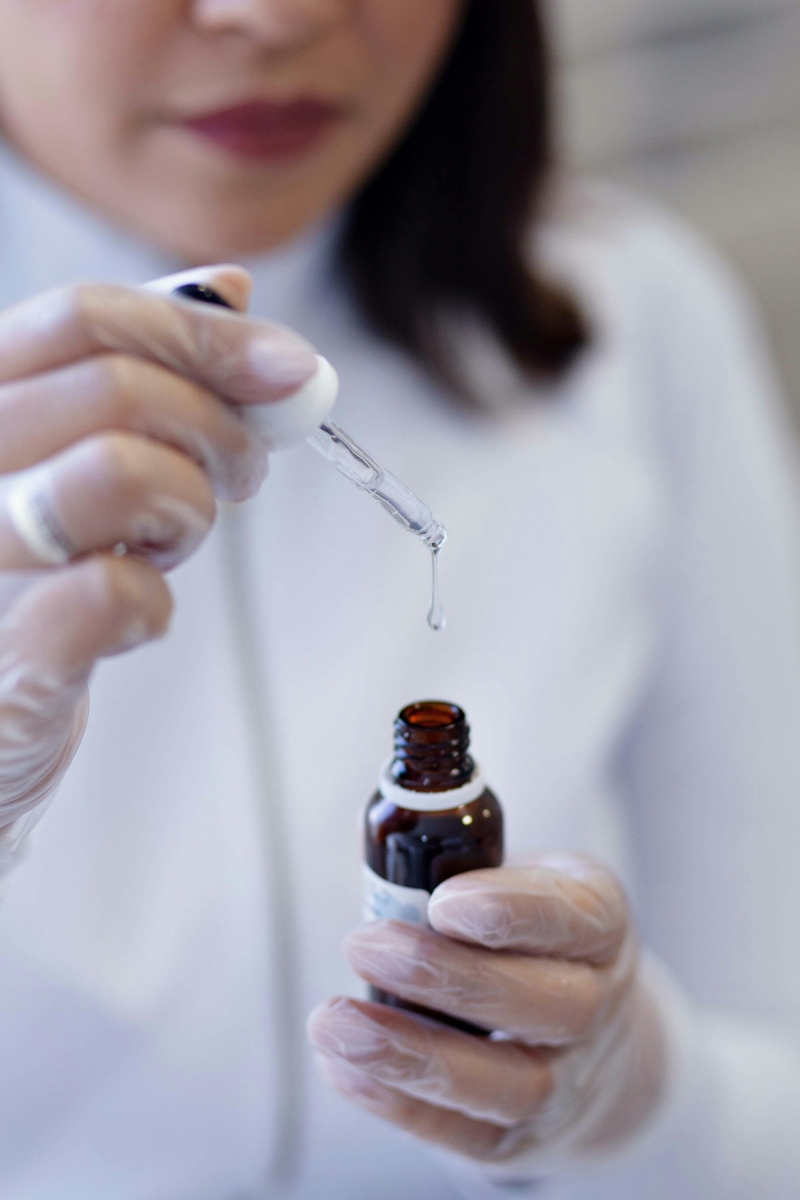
{"type": "Point", "coordinates": [621, 582]}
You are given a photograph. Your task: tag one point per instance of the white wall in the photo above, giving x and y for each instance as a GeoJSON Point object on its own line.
{"type": "Point", "coordinates": [697, 102]}
{"type": "Point", "coordinates": [592, 26]}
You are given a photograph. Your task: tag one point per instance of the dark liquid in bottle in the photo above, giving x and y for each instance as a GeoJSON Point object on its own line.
{"type": "Point", "coordinates": [422, 849]}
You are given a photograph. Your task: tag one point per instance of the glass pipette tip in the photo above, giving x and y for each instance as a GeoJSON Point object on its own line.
{"type": "Point", "coordinates": [386, 489]}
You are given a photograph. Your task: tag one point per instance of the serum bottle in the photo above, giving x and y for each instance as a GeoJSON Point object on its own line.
{"type": "Point", "coordinates": [432, 817]}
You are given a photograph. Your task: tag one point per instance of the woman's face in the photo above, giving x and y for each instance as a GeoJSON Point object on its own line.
{"type": "Point", "coordinates": [215, 127]}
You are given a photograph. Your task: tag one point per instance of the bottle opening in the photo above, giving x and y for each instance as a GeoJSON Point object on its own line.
{"type": "Point", "coordinates": [432, 714]}
{"type": "Point", "coordinates": [431, 747]}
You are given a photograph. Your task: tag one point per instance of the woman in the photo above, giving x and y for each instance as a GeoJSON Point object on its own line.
{"type": "Point", "coordinates": [622, 593]}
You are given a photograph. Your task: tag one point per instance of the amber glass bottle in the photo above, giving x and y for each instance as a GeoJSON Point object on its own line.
{"type": "Point", "coordinates": [432, 817]}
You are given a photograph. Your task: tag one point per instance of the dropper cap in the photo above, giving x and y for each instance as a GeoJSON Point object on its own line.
{"type": "Point", "coordinates": [286, 422]}
{"type": "Point", "coordinates": [282, 423]}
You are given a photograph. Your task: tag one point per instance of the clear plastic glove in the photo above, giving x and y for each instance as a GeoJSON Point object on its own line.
{"type": "Point", "coordinates": [114, 436]}
{"type": "Point", "coordinates": [544, 953]}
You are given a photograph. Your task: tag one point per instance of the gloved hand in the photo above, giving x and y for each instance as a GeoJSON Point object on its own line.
{"type": "Point", "coordinates": [113, 434]}
{"type": "Point", "coordinates": [545, 953]}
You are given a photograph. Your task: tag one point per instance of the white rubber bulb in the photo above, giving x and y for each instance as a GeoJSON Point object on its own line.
{"type": "Point", "coordinates": [289, 421]}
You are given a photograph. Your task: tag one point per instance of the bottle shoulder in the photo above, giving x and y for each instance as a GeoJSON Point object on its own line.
{"type": "Point", "coordinates": [386, 806]}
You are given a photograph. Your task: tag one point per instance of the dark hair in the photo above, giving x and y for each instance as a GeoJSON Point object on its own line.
{"type": "Point", "coordinates": [444, 226]}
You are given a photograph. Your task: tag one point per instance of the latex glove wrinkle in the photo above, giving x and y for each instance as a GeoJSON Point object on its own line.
{"type": "Point", "coordinates": [547, 955]}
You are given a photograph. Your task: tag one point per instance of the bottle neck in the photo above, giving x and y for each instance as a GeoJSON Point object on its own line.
{"type": "Point", "coordinates": [431, 748]}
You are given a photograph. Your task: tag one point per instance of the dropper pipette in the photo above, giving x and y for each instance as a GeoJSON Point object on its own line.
{"type": "Point", "coordinates": [353, 461]}
{"type": "Point", "coordinates": [344, 452]}
{"type": "Point", "coordinates": [366, 473]}
{"type": "Point", "coordinates": [393, 496]}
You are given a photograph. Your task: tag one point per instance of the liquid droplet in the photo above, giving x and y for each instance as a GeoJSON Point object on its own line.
{"type": "Point", "coordinates": [436, 617]}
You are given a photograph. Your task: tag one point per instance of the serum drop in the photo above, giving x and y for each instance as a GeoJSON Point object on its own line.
{"type": "Point", "coordinates": [436, 617]}
{"type": "Point", "coordinates": [432, 817]}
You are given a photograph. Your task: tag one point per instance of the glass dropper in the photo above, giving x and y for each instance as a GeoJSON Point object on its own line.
{"type": "Point", "coordinates": [366, 473]}
{"type": "Point", "coordinates": [353, 461]}
{"type": "Point", "coordinates": [347, 456]}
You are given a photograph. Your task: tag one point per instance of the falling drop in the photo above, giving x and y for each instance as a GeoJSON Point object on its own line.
{"type": "Point", "coordinates": [436, 617]}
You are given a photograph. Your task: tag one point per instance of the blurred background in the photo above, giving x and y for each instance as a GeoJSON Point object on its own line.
{"type": "Point", "coordinates": [697, 103]}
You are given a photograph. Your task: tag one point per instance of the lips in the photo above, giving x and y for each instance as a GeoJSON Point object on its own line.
{"type": "Point", "coordinates": [265, 130]}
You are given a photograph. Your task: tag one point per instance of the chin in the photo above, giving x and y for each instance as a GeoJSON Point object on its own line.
{"type": "Point", "coordinates": [213, 219]}
{"type": "Point", "coordinates": [206, 207]}
{"type": "Point", "coordinates": [210, 244]}
{"type": "Point", "coordinates": [224, 230]}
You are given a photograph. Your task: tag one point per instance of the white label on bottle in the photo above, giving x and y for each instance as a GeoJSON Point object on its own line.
{"type": "Point", "coordinates": [389, 901]}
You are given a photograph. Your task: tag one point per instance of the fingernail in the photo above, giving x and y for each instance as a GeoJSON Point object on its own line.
{"type": "Point", "coordinates": [340, 1029]}
{"type": "Point", "coordinates": [577, 866]}
{"type": "Point", "coordinates": [352, 1082]}
{"type": "Point", "coordinates": [283, 361]}
{"type": "Point", "coordinates": [136, 634]}
{"type": "Point", "coordinates": [383, 953]}
{"type": "Point", "coordinates": [474, 913]}
{"type": "Point", "coordinates": [168, 519]}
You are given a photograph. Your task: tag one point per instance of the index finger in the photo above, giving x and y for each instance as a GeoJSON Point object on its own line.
{"type": "Point", "coordinates": [561, 906]}
{"type": "Point", "coordinates": [233, 283]}
{"type": "Point", "coordinates": [241, 359]}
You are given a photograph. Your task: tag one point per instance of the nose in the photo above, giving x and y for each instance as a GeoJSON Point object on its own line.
{"type": "Point", "coordinates": [275, 22]}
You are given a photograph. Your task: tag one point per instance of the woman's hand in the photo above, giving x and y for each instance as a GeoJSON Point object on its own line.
{"type": "Point", "coordinates": [114, 444]}
{"type": "Point", "coordinates": [544, 953]}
